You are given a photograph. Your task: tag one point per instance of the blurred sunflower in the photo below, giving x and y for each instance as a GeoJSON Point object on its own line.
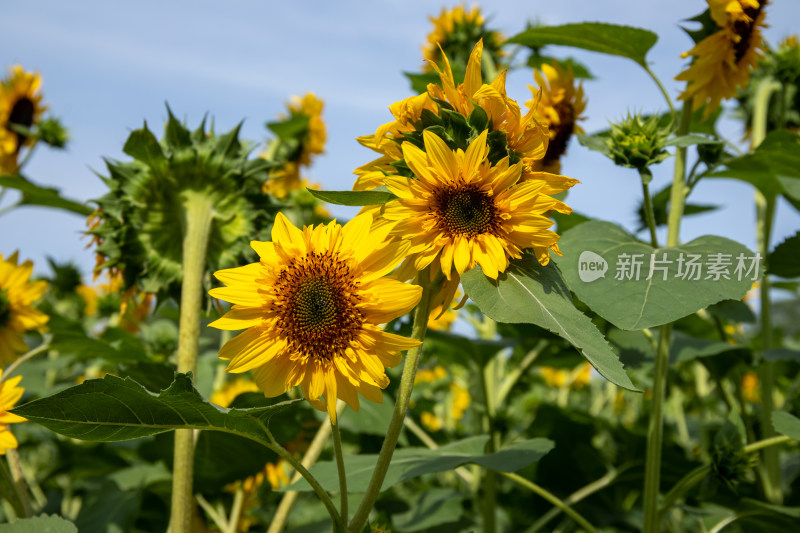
{"type": "Point", "coordinates": [456, 30]}
{"type": "Point", "coordinates": [560, 108]}
{"type": "Point", "coordinates": [461, 211]}
{"type": "Point", "coordinates": [723, 61]}
{"type": "Point", "coordinates": [20, 105]}
{"type": "Point", "coordinates": [9, 395]}
{"type": "Point", "coordinates": [17, 315]}
{"type": "Point", "coordinates": [311, 309]}
{"type": "Point", "coordinates": [301, 136]}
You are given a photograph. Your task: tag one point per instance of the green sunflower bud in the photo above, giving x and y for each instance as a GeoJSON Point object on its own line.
{"type": "Point", "coordinates": [638, 142]}
{"type": "Point", "coordinates": [142, 219]}
{"type": "Point", "coordinates": [52, 132]}
{"type": "Point", "coordinates": [729, 462]}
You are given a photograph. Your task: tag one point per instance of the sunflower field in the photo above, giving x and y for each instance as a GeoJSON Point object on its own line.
{"type": "Point", "coordinates": [451, 337]}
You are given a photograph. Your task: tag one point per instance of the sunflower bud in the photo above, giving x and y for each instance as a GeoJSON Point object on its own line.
{"type": "Point", "coordinates": [53, 133]}
{"type": "Point", "coordinates": [638, 142]}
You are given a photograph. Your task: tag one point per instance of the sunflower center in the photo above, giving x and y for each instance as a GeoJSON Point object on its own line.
{"type": "Point", "coordinates": [465, 210]}
{"type": "Point", "coordinates": [5, 308]}
{"type": "Point", "coordinates": [744, 30]}
{"type": "Point", "coordinates": [315, 301]}
{"type": "Point", "coordinates": [22, 114]}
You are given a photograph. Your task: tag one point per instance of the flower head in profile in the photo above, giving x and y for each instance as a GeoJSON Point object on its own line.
{"type": "Point", "coordinates": [723, 61]}
{"type": "Point", "coordinates": [20, 105]}
{"type": "Point", "coordinates": [457, 30]}
{"type": "Point", "coordinates": [301, 135]}
{"type": "Point", "coordinates": [9, 395]}
{"type": "Point", "coordinates": [17, 314]}
{"type": "Point", "coordinates": [311, 309]}
{"type": "Point", "coordinates": [560, 108]}
{"type": "Point", "coordinates": [461, 210]}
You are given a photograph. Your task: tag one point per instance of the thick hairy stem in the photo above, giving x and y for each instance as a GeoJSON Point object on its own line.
{"type": "Point", "coordinates": [400, 407]}
{"type": "Point", "coordinates": [337, 451]}
{"type": "Point", "coordinates": [197, 219]}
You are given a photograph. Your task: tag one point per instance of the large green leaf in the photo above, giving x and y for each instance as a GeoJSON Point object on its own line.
{"type": "Point", "coordinates": [434, 507]}
{"type": "Point", "coordinates": [786, 424]}
{"type": "Point", "coordinates": [530, 293]}
{"type": "Point", "coordinates": [40, 524]}
{"type": "Point", "coordinates": [353, 198]}
{"type": "Point", "coordinates": [114, 409]}
{"type": "Point", "coordinates": [773, 168]}
{"type": "Point", "coordinates": [613, 39]}
{"type": "Point", "coordinates": [784, 260]}
{"type": "Point", "coordinates": [408, 463]}
{"type": "Point", "coordinates": [599, 265]}
{"type": "Point", "coordinates": [33, 194]}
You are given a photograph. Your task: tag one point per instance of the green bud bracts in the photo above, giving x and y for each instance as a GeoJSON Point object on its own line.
{"type": "Point", "coordinates": [143, 216]}
{"type": "Point", "coordinates": [638, 142]}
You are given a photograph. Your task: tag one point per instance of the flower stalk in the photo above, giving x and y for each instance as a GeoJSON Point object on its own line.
{"type": "Point", "coordinates": [418, 331]}
{"type": "Point", "coordinates": [198, 214]}
{"type": "Point", "coordinates": [337, 451]}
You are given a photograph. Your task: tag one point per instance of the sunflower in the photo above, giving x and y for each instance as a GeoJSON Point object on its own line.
{"type": "Point", "coordinates": [311, 308]}
{"type": "Point", "coordinates": [457, 30]}
{"type": "Point", "coordinates": [17, 315]}
{"type": "Point", "coordinates": [560, 108]}
{"type": "Point", "coordinates": [723, 61]}
{"type": "Point", "coordinates": [9, 395]}
{"type": "Point", "coordinates": [462, 211]}
{"type": "Point", "coordinates": [21, 105]}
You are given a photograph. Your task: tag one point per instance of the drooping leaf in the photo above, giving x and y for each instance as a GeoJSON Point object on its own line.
{"type": "Point", "coordinates": [530, 293]}
{"type": "Point", "coordinates": [114, 409]}
{"type": "Point", "coordinates": [408, 463]}
{"type": "Point", "coordinates": [353, 198]}
{"type": "Point", "coordinates": [613, 39]}
{"type": "Point", "coordinates": [786, 424]}
{"type": "Point", "coordinates": [36, 195]}
{"type": "Point", "coordinates": [691, 139]}
{"type": "Point", "coordinates": [602, 259]}
{"type": "Point", "coordinates": [580, 70]}
{"type": "Point", "coordinates": [435, 507]}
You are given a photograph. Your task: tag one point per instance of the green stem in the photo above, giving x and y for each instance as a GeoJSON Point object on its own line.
{"type": "Point", "coordinates": [698, 474]}
{"type": "Point", "coordinates": [401, 405]}
{"type": "Point", "coordinates": [765, 214]}
{"type": "Point", "coordinates": [489, 499]}
{"type": "Point", "coordinates": [198, 214]}
{"type": "Point", "coordinates": [648, 206]}
{"type": "Point", "coordinates": [13, 366]}
{"type": "Point", "coordinates": [18, 476]}
{"type": "Point", "coordinates": [664, 92]}
{"type": "Point", "coordinates": [550, 497]}
{"type": "Point", "coordinates": [678, 193]}
{"type": "Point", "coordinates": [337, 450]}
{"type": "Point", "coordinates": [655, 433]}
{"type": "Point", "coordinates": [518, 371]}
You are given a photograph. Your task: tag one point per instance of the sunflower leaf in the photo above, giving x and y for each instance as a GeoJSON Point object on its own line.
{"type": "Point", "coordinates": [41, 524]}
{"type": "Point", "coordinates": [353, 198]}
{"type": "Point", "coordinates": [651, 287]}
{"type": "Point", "coordinates": [114, 409]}
{"type": "Point", "coordinates": [613, 39]}
{"type": "Point", "coordinates": [33, 194]}
{"type": "Point", "coordinates": [784, 260]}
{"type": "Point", "coordinates": [409, 463]}
{"type": "Point", "coordinates": [530, 293]}
{"type": "Point", "coordinates": [786, 424]}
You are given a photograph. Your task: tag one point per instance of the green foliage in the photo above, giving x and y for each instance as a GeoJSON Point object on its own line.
{"type": "Point", "coordinates": [784, 260]}
{"type": "Point", "coordinates": [40, 524]}
{"type": "Point", "coordinates": [639, 302]}
{"type": "Point", "coordinates": [353, 198]}
{"type": "Point", "coordinates": [613, 39]}
{"type": "Point", "coordinates": [35, 195]}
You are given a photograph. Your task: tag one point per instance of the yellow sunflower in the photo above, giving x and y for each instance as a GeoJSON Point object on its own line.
{"type": "Point", "coordinates": [462, 211]}
{"type": "Point", "coordinates": [9, 395]}
{"type": "Point", "coordinates": [311, 309]}
{"type": "Point", "coordinates": [723, 61]}
{"type": "Point", "coordinates": [17, 315]}
{"type": "Point", "coordinates": [560, 108]}
{"type": "Point", "coordinates": [314, 142]}
{"type": "Point", "coordinates": [20, 104]}
{"type": "Point", "coordinates": [456, 30]}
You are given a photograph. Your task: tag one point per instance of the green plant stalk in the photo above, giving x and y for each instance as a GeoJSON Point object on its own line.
{"type": "Point", "coordinates": [418, 331]}
{"type": "Point", "coordinates": [536, 489]}
{"type": "Point", "coordinates": [312, 454]}
{"type": "Point", "coordinates": [337, 450]}
{"type": "Point", "coordinates": [663, 92]}
{"type": "Point", "coordinates": [677, 197]}
{"type": "Point", "coordinates": [765, 214]}
{"type": "Point", "coordinates": [698, 474]}
{"type": "Point", "coordinates": [489, 500]}
{"type": "Point", "coordinates": [18, 477]}
{"type": "Point", "coordinates": [648, 206]}
{"type": "Point", "coordinates": [9, 491]}
{"type": "Point", "coordinates": [198, 213]}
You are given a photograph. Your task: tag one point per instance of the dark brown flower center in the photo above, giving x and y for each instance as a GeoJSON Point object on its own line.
{"type": "Point", "coordinates": [558, 144]}
{"type": "Point", "coordinates": [744, 29]}
{"type": "Point", "coordinates": [316, 297]}
{"type": "Point", "coordinates": [5, 308]}
{"type": "Point", "coordinates": [22, 114]}
{"type": "Point", "coordinates": [465, 210]}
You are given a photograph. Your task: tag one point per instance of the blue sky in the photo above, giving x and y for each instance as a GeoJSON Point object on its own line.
{"type": "Point", "coordinates": [107, 66]}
